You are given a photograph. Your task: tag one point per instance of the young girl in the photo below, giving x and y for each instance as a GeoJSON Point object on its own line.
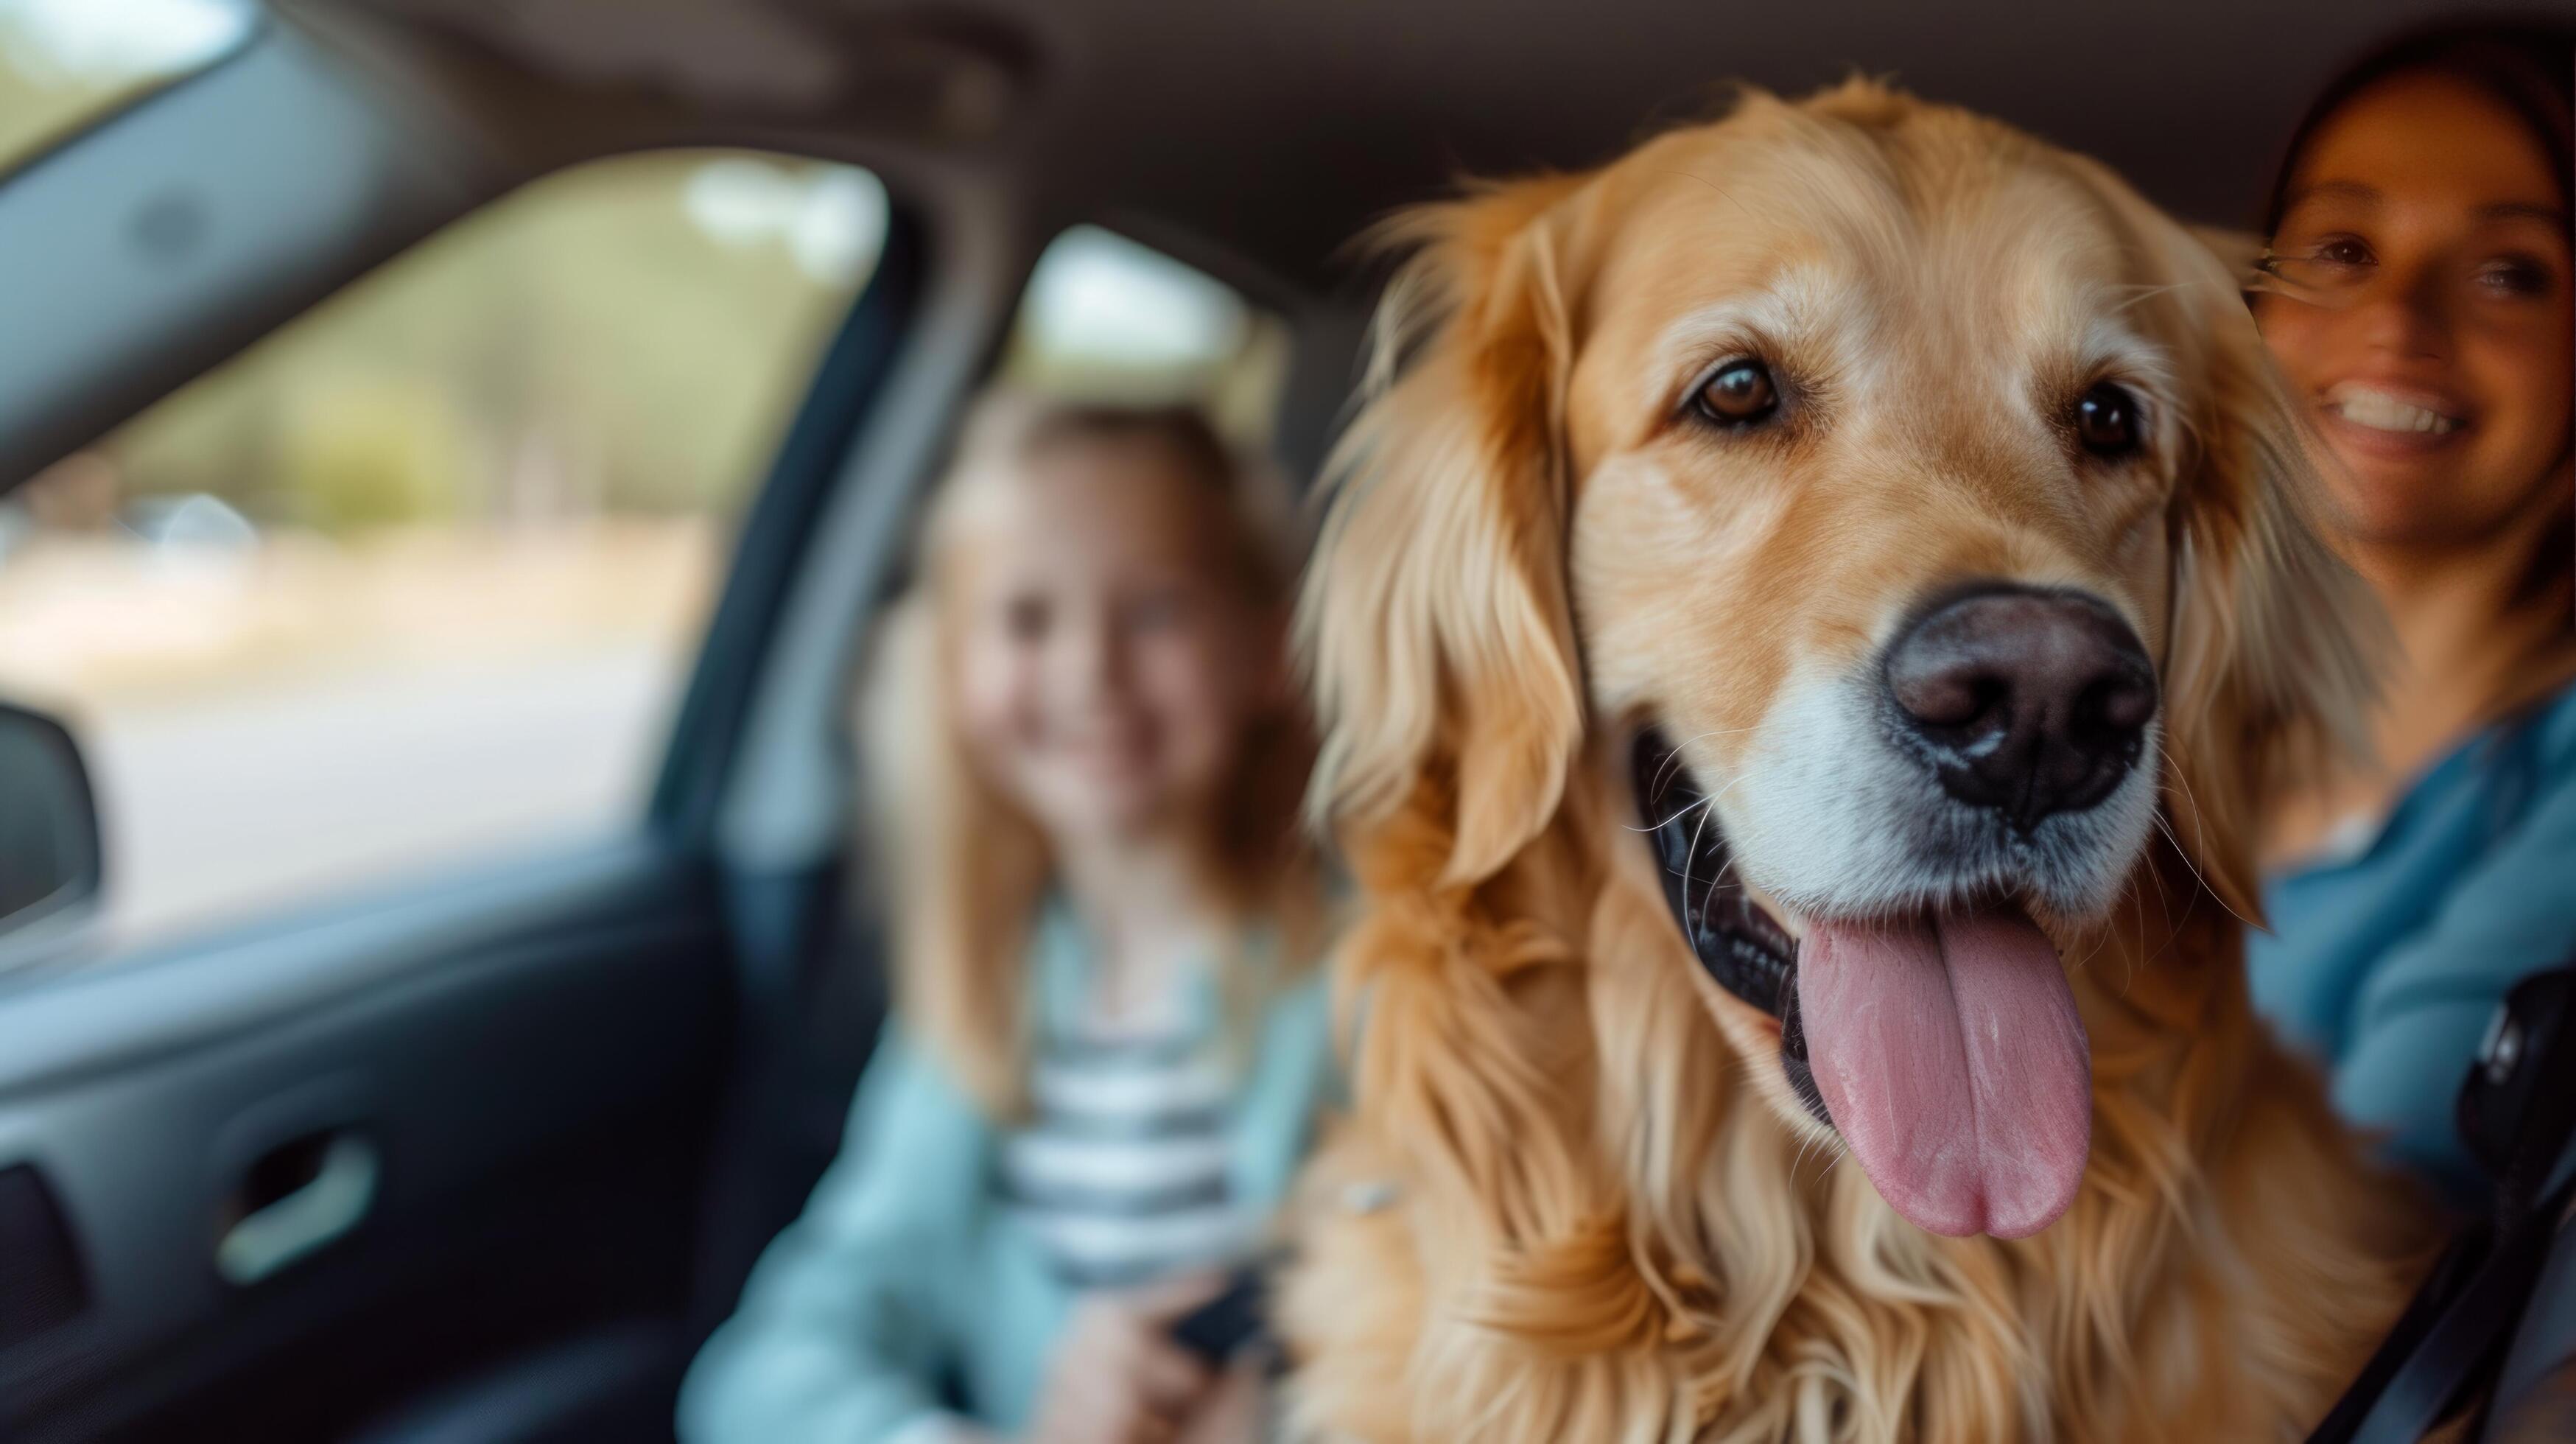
{"type": "Point", "coordinates": [1107, 1041]}
{"type": "Point", "coordinates": [2419, 302]}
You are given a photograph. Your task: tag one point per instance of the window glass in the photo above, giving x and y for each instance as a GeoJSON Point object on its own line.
{"type": "Point", "coordinates": [1106, 319]}
{"type": "Point", "coordinates": [419, 577]}
{"type": "Point", "coordinates": [64, 63]}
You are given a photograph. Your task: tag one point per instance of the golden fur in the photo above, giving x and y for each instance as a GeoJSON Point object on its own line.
{"type": "Point", "coordinates": [1609, 1221]}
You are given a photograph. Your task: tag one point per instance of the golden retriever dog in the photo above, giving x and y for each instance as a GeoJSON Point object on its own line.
{"type": "Point", "coordinates": [1806, 614]}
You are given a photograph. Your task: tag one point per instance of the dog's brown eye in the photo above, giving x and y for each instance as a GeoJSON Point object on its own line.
{"type": "Point", "coordinates": [1739, 394]}
{"type": "Point", "coordinates": [2106, 421]}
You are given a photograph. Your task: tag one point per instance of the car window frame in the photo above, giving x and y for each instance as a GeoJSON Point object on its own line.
{"type": "Point", "coordinates": [255, 31]}
{"type": "Point", "coordinates": [776, 536]}
{"type": "Point", "coordinates": [679, 792]}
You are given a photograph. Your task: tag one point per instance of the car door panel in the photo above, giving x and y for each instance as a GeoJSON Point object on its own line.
{"type": "Point", "coordinates": [526, 1063]}
{"type": "Point", "coordinates": [529, 1056]}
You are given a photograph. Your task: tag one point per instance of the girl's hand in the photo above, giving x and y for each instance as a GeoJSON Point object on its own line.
{"type": "Point", "coordinates": [1117, 1377]}
{"type": "Point", "coordinates": [1231, 1412]}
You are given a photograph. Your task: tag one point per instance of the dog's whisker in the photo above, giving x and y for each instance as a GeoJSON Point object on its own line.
{"type": "Point", "coordinates": [1703, 806]}
{"type": "Point", "coordinates": [2145, 293]}
{"type": "Point", "coordinates": [1673, 759]}
{"type": "Point", "coordinates": [2102, 937]}
{"type": "Point", "coordinates": [2164, 907]}
{"type": "Point", "coordinates": [2194, 868]}
{"type": "Point", "coordinates": [1677, 816]}
{"type": "Point", "coordinates": [1806, 1146]}
{"type": "Point", "coordinates": [1810, 1141]}
{"type": "Point", "coordinates": [2137, 912]}
{"type": "Point", "coordinates": [2166, 829]}
{"type": "Point", "coordinates": [2080, 964]}
{"type": "Point", "coordinates": [2139, 952]}
{"type": "Point", "coordinates": [2175, 769]}
{"type": "Point", "coordinates": [2164, 911]}
{"type": "Point", "coordinates": [1729, 866]}
{"type": "Point", "coordinates": [1699, 831]}
{"type": "Point", "coordinates": [1693, 855]}
{"type": "Point", "coordinates": [2164, 901]}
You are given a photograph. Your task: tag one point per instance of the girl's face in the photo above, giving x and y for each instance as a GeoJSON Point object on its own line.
{"type": "Point", "coordinates": [2429, 330]}
{"type": "Point", "coordinates": [1107, 669]}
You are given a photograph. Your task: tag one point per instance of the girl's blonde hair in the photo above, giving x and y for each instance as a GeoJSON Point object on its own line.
{"type": "Point", "coordinates": [965, 870]}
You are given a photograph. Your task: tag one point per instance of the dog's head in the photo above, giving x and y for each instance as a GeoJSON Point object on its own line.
{"type": "Point", "coordinates": [1895, 521]}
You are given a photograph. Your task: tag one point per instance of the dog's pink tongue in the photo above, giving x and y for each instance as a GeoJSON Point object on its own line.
{"type": "Point", "coordinates": [1950, 1055]}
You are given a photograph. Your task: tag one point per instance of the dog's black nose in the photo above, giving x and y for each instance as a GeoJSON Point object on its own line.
{"type": "Point", "coordinates": [2023, 701]}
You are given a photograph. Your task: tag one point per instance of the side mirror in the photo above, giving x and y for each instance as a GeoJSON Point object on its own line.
{"type": "Point", "coordinates": [50, 863]}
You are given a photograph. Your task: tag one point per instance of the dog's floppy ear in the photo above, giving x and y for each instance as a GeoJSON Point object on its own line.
{"type": "Point", "coordinates": [2269, 671]}
{"type": "Point", "coordinates": [1434, 622]}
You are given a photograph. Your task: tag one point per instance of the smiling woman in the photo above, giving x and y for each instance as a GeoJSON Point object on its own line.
{"type": "Point", "coordinates": [2417, 295]}
{"type": "Point", "coordinates": [2421, 240]}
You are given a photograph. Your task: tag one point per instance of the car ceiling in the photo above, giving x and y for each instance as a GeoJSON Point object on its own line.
{"type": "Point", "coordinates": [1278, 129]}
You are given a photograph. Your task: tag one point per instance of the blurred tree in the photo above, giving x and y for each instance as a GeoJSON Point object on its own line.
{"type": "Point", "coordinates": [36, 111]}
{"type": "Point", "coordinates": [590, 343]}
{"type": "Point", "coordinates": [65, 64]}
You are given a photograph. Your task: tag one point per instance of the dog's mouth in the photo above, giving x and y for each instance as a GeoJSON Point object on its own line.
{"type": "Point", "coordinates": [1749, 952]}
{"type": "Point", "coordinates": [1942, 1044]}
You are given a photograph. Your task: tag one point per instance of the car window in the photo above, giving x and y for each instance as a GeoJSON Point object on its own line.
{"type": "Point", "coordinates": [420, 576]}
{"type": "Point", "coordinates": [66, 63]}
{"type": "Point", "coordinates": [1107, 319]}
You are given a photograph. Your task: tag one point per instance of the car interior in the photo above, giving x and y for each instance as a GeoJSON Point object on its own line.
{"type": "Point", "coordinates": [481, 1145]}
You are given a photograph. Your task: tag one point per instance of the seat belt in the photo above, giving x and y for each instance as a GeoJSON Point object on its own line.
{"type": "Point", "coordinates": [2517, 1114]}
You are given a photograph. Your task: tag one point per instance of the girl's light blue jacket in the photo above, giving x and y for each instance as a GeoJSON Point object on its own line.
{"type": "Point", "coordinates": [2388, 962]}
{"type": "Point", "coordinates": [906, 1283]}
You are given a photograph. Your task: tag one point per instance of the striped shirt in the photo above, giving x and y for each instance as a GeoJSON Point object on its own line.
{"type": "Point", "coordinates": [1122, 1171]}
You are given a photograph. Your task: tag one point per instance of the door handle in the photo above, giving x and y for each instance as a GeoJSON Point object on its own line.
{"type": "Point", "coordinates": [281, 1230]}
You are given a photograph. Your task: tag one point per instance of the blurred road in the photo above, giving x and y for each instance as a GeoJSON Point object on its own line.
{"type": "Point", "coordinates": [218, 807]}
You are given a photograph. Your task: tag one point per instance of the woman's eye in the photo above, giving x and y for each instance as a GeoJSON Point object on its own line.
{"type": "Point", "coordinates": [1024, 619]}
{"type": "Point", "coordinates": [2513, 276]}
{"type": "Point", "coordinates": [2106, 421]}
{"type": "Point", "coordinates": [2328, 261]}
{"type": "Point", "coordinates": [1155, 611]}
{"type": "Point", "coordinates": [1738, 393]}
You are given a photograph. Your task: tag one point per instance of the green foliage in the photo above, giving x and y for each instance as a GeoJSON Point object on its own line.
{"type": "Point", "coordinates": [37, 109]}
{"type": "Point", "coordinates": [582, 345]}
{"type": "Point", "coordinates": [364, 451]}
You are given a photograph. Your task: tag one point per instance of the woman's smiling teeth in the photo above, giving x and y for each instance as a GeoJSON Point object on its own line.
{"type": "Point", "coordinates": [2384, 411]}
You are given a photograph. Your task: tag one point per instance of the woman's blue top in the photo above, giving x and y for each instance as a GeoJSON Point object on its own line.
{"type": "Point", "coordinates": [2388, 956]}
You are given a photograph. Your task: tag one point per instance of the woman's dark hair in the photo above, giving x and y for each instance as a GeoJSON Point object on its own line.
{"type": "Point", "coordinates": [2527, 65]}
